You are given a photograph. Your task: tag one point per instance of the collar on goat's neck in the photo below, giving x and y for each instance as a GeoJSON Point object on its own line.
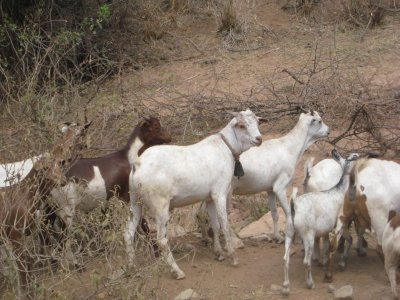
{"type": "Point", "coordinates": [238, 171]}
{"type": "Point", "coordinates": [235, 154]}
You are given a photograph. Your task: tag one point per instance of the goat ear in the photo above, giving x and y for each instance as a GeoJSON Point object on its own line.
{"type": "Point", "coordinates": [335, 155]}
{"type": "Point", "coordinates": [312, 112]}
{"type": "Point", "coordinates": [147, 118]}
{"type": "Point", "coordinates": [302, 109]}
{"type": "Point", "coordinates": [262, 120]}
{"type": "Point", "coordinates": [232, 113]}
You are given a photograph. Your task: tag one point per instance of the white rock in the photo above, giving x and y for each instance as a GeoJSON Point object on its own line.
{"type": "Point", "coordinates": [187, 295]}
{"type": "Point", "coordinates": [344, 293]}
{"type": "Point", "coordinates": [264, 225]}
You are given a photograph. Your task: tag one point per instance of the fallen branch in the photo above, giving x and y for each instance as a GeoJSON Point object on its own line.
{"type": "Point", "coordinates": [293, 76]}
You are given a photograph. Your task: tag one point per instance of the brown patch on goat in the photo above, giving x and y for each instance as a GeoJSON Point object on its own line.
{"type": "Point", "coordinates": [394, 219]}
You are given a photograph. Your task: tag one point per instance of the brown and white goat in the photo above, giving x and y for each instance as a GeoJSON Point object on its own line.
{"type": "Point", "coordinates": [20, 202]}
{"type": "Point", "coordinates": [92, 181]}
{"type": "Point", "coordinates": [374, 191]}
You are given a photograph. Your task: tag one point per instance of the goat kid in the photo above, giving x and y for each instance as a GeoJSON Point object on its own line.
{"type": "Point", "coordinates": [391, 249]}
{"type": "Point", "coordinates": [20, 202]}
{"type": "Point", "coordinates": [167, 177]}
{"type": "Point", "coordinates": [315, 214]}
{"type": "Point", "coordinates": [92, 181]}
{"type": "Point", "coordinates": [321, 177]}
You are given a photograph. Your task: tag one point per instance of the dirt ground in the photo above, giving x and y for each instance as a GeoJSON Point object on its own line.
{"type": "Point", "coordinates": [204, 65]}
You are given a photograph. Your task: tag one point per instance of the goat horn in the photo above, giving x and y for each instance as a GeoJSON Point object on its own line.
{"type": "Point", "coordinates": [302, 109]}
{"type": "Point", "coordinates": [312, 112]}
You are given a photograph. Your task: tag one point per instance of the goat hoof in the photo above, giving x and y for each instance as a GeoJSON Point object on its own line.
{"type": "Point", "coordinates": [220, 257]}
{"type": "Point", "coordinates": [238, 244]}
{"type": "Point", "coordinates": [328, 278]}
{"type": "Point", "coordinates": [206, 242]}
{"type": "Point", "coordinates": [285, 291]}
{"type": "Point", "coordinates": [235, 262]}
{"type": "Point", "coordinates": [179, 275]}
{"type": "Point", "coordinates": [279, 239]}
{"type": "Point", "coordinates": [342, 266]}
{"type": "Point", "coordinates": [310, 285]}
{"type": "Point", "coordinates": [361, 252]}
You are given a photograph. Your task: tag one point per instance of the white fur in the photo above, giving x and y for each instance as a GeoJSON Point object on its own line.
{"type": "Point", "coordinates": [324, 175]}
{"type": "Point", "coordinates": [84, 197]}
{"type": "Point", "coordinates": [12, 173]}
{"type": "Point", "coordinates": [316, 214]}
{"type": "Point", "coordinates": [321, 177]}
{"type": "Point", "coordinates": [391, 250]}
{"type": "Point", "coordinates": [379, 181]}
{"type": "Point", "coordinates": [172, 176]}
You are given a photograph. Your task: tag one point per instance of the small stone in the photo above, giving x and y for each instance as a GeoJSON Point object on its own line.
{"type": "Point", "coordinates": [187, 295]}
{"type": "Point", "coordinates": [344, 293]}
{"type": "Point", "coordinates": [101, 295]}
{"type": "Point", "coordinates": [331, 288]}
{"type": "Point", "coordinates": [276, 288]}
{"type": "Point", "coordinates": [261, 237]}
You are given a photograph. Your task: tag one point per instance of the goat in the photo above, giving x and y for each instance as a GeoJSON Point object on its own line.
{"type": "Point", "coordinates": [12, 173]}
{"type": "Point", "coordinates": [91, 181]}
{"type": "Point", "coordinates": [323, 176]}
{"type": "Point", "coordinates": [391, 249]}
{"type": "Point", "coordinates": [376, 183]}
{"type": "Point", "coordinates": [315, 214]}
{"type": "Point", "coordinates": [167, 177]}
{"type": "Point", "coordinates": [20, 202]}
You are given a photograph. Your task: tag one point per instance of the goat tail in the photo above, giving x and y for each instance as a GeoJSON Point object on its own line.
{"type": "Point", "coordinates": [294, 194]}
{"type": "Point", "coordinates": [352, 192]}
{"type": "Point", "coordinates": [307, 170]}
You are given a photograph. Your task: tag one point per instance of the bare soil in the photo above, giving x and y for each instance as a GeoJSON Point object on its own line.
{"type": "Point", "coordinates": [202, 63]}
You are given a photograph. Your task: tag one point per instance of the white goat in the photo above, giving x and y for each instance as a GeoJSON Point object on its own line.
{"type": "Point", "coordinates": [321, 177]}
{"type": "Point", "coordinates": [391, 249]}
{"type": "Point", "coordinates": [173, 176]}
{"type": "Point", "coordinates": [315, 214]}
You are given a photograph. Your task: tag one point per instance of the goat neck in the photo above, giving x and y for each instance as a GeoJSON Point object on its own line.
{"type": "Point", "coordinates": [133, 146]}
{"type": "Point", "coordinates": [298, 139]}
{"type": "Point", "coordinates": [229, 138]}
{"type": "Point", "coordinates": [344, 181]}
